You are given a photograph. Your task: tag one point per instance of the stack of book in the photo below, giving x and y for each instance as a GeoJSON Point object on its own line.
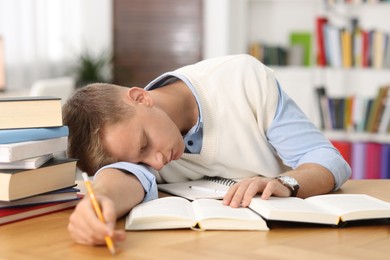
{"type": "Point", "coordinates": [36, 177]}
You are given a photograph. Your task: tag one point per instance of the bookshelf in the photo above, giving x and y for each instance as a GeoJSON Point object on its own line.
{"type": "Point", "coordinates": [271, 21]}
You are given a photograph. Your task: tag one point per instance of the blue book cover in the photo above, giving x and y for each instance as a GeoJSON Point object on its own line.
{"type": "Point", "coordinates": [8, 136]}
{"type": "Point", "coordinates": [385, 162]}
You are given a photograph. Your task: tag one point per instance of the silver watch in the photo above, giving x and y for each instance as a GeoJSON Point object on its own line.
{"type": "Point", "coordinates": [290, 183]}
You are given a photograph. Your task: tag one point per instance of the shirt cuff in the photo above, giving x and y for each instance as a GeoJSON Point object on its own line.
{"type": "Point", "coordinates": [143, 174]}
{"type": "Point", "coordinates": [333, 161]}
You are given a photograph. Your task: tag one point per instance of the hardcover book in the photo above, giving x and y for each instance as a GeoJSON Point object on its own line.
{"type": "Point", "coordinates": [23, 150]}
{"type": "Point", "coordinates": [8, 215]}
{"type": "Point", "coordinates": [203, 214]}
{"type": "Point", "coordinates": [57, 173]}
{"type": "Point", "coordinates": [8, 136]}
{"type": "Point", "coordinates": [60, 195]}
{"type": "Point", "coordinates": [31, 163]}
{"type": "Point", "coordinates": [29, 112]}
{"type": "Point", "coordinates": [330, 209]}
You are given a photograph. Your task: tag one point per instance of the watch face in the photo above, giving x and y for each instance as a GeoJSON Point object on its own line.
{"type": "Point", "coordinates": [289, 180]}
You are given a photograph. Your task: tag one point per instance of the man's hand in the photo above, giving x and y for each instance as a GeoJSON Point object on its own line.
{"type": "Point", "coordinates": [86, 228]}
{"type": "Point", "coordinates": [241, 193]}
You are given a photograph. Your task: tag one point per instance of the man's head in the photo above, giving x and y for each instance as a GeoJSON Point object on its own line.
{"type": "Point", "coordinates": [109, 123]}
{"type": "Point", "coordinates": [86, 113]}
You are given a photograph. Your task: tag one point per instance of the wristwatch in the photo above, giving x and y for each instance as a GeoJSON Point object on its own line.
{"type": "Point", "coordinates": [290, 183]}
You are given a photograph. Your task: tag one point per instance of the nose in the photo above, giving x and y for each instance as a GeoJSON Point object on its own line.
{"type": "Point", "coordinates": [157, 161]}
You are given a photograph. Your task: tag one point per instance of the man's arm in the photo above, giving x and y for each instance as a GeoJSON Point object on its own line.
{"type": "Point", "coordinates": [117, 193]}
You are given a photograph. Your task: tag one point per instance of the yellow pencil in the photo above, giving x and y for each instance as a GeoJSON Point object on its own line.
{"type": "Point", "coordinates": [98, 211]}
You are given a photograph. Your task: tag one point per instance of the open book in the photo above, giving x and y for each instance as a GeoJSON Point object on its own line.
{"type": "Point", "coordinates": [204, 214]}
{"type": "Point", "coordinates": [323, 209]}
{"type": "Point", "coordinates": [206, 188]}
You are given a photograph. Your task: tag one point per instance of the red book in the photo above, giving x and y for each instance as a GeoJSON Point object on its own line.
{"type": "Point", "coordinates": [365, 49]}
{"type": "Point", "coordinates": [345, 149]}
{"type": "Point", "coordinates": [321, 57]}
{"type": "Point", "coordinates": [373, 161]}
{"type": "Point", "coordinates": [8, 215]}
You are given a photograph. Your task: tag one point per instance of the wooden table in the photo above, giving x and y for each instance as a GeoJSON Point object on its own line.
{"type": "Point", "coordinates": [46, 237]}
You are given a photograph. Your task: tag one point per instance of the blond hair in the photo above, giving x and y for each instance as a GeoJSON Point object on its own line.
{"type": "Point", "coordinates": [86, 113]}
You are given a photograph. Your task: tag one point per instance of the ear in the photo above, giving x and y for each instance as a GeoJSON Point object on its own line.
{"type": "Point", "coordinates": [139, 96]}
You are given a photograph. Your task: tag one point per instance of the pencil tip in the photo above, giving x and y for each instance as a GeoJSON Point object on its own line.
{"type": "Point", "coordinates": [112, 250]}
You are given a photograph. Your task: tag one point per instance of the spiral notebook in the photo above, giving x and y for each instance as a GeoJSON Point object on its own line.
{"type": "Point", "coordinates": [205, 188]}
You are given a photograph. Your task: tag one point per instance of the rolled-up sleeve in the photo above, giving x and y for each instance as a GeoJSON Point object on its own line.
{"type": "Point", "coordinates": [298, 141]}
{"type": "Point", "coordinates": [142, 172]}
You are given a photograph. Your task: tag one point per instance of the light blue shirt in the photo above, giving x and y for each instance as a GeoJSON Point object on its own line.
{"type": "Point", "coordinates": [294, 144]}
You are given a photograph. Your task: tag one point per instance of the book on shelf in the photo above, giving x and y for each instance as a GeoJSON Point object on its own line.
{"type": "Point", "coordinates": [55, 174]}
{"type": "Point", "coordinates": [203, 214]}
{"type": "Point", "coordinates": [303, 39]}
{"type": "Point", "coordinates": [321, 56]}
{"type": "Point", "coordinates": [358, 163]}
{"type": "Point", "coordinates": [8, 215]}
{"type": "Point", "coordinates": [385, 161]}
{"type": "Point", "coordinates": [372, 160]}
{"type": "Point", "coordinates": [8, 136]}
{"type": "Point", "coordinates": [346, 48]}
{"type": "Point", "coordinates": [330, 209]}
{"type": "Point", "coordinates": [377, 110]}
{"type": "Point", "coordinates": [345, 149]}
{"type": "Point", "coordinates": [60, 195]}
{"type": "Point", "coordinates": [23, 150]}
{"type": "Point", "coordinates": [29, 112]}
{"type": "Point", "coordinates": [30, 163]}
{"type": "Point", "coordinates": [205, 188]}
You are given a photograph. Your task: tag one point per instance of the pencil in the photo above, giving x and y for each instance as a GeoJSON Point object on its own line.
{"type": "Point", "coordinates": [98, 211]}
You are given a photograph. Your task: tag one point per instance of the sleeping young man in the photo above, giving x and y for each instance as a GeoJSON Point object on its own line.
{"type": "Point", "coordinates": [225, 116]}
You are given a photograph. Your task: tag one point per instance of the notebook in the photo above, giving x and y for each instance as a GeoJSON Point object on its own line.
{"type": "Point", "coordinates": [205, 188]}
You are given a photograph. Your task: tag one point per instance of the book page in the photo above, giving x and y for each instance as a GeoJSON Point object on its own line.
{"type": "Point", "coordinates": [212, 214]}
{"type": "Point", "coordinates": [210, 208]}
{"type": "Point", "coordinates": [353, 206]}
{"type": "Point", "coordinates": [163, 213]}
{"type": "Point", "coordinates": [292, 209]}
{"type": "Point", "coordinates": [167, 206]}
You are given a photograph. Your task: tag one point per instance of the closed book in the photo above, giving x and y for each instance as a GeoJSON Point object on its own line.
{"type": "Point", "coordinates": [65, 194]}
{"type": "Point", "coordinates": [358, 165]}
{"type": "Point", "coordinates": [321, 56]}
{"type": "Point", "coordinates": [303, 39]}
{"type": "Point", "coordinates": [29, 112]}
{"type": "Point", "coordinates": [345, 149]}
{"type": "Point", "coordinates": [373, 161]}
{"type": "Point", "coordinates": [8, 136]}
{"type": "Point", "coordinates": [8, 215]}
{"type": "Point", "coordinates": [57, 173]}
{"type": "Point", "coordinates": [31, 163]}
{"type": "Point", "coordinates": [23, 150]}
{"type": "Point", "coordinates": [346, 48]}
{"type": "Point", "coordinates": [385, 161]}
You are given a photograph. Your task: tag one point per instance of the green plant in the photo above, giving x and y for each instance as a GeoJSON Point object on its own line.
{"type": "Point", "coordinates": [90, 69]}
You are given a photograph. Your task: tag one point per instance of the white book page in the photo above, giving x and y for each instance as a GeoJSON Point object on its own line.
{"type": "Point", "coordinates": [353, 206]}
{"type": "Point", "coordinates": [209, 208]}
{"type": "Point", "coordinates": [164, 207]}
{"type": "Point", "coordinates": [292, 209]}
